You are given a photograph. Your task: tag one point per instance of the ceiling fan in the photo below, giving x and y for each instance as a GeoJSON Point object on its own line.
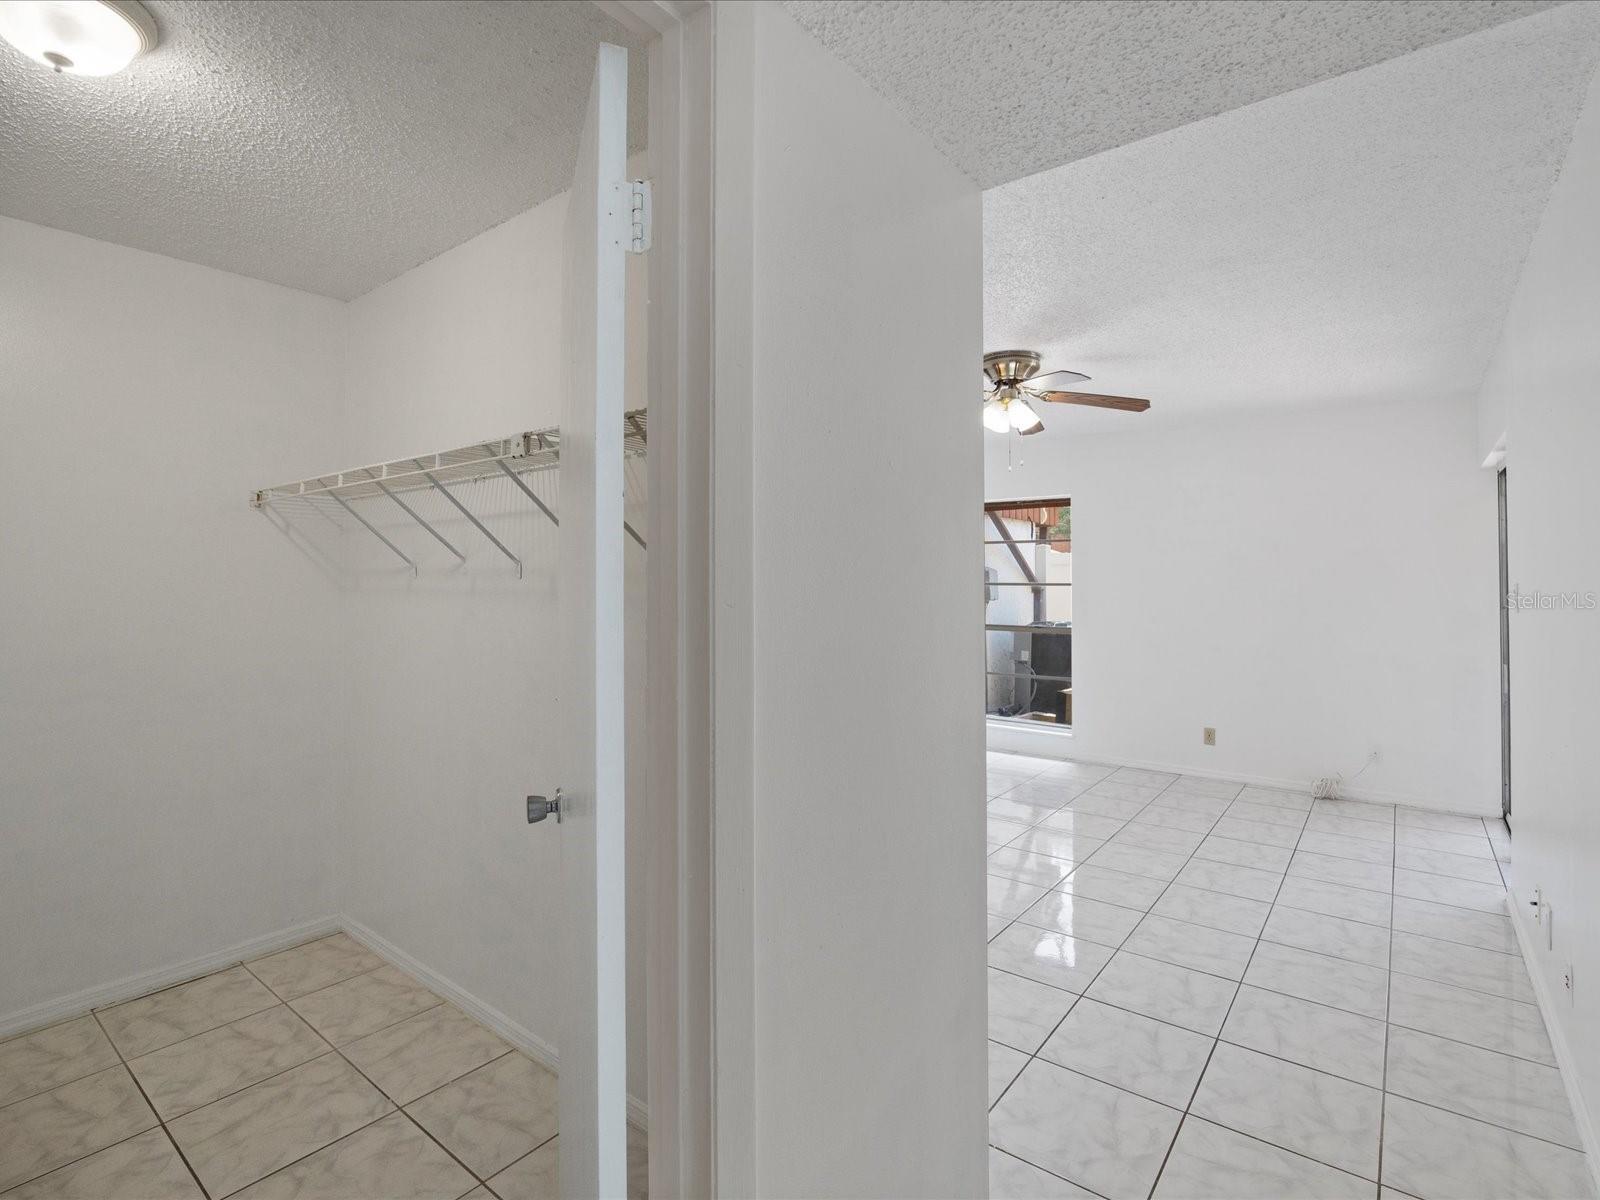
{"type": "Point", "coordinates": [1011, 385]}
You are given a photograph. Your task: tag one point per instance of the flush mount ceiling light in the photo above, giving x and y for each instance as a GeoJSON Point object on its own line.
{"type": "Point", "coordinates": [78, 37]}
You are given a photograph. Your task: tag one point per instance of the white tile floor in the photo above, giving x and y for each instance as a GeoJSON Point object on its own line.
{"type": "Point", "coordinates": [1206, 989]}
{"type": "Point", "coordinates": [316, 1073]}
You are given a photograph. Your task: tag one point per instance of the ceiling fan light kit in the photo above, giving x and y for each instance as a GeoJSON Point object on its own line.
{"type": "Point", "coordinates": [1011, 389]}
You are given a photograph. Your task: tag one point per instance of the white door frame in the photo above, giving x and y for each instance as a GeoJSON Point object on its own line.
{"type": "Point", "coordinates": [681, 1093]}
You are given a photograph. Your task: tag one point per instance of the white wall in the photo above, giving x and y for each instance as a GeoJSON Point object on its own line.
{"type": "Point", "coordinates": [1542, 379]}
{"type": "Point", "coordinates": [455, 711]}
{"type": "Point", "coordinates": [856, 247]}
{"type": "Point", "coordinates": [170, 704]}
{"type": "Point", "coordinates": [1312, 585]}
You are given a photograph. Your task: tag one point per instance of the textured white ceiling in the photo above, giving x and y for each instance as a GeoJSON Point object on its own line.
{"type": "Point", "coordinates": [1354, 240]}
{"type": "Point", "coordinates": [1006, 88]}
{"type": "Point", "coordinates": [327, 146]}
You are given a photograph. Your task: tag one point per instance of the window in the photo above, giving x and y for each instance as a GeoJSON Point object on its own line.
{"type": "Point", "coordinates": [1027, 579]}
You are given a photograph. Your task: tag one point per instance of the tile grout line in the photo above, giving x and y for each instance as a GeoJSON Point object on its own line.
{"type": "Point", "coordinates": [398, 1107]}
{"type": "Point", "coordinates": [1238, 987]}
{"type": "Point", "coordinates": [1394, 868]}
{"type": "Point", "coordinates": [155, 1112]}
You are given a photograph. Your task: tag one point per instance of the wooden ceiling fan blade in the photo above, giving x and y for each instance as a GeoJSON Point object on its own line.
{"type": "Point", "coordinates": [1095, 400]}
{"type": "Point", "coordinates": [1039, 428]}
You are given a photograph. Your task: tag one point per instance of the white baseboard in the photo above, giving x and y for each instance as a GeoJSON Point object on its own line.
{"type": "Point", "coordinates": [1057, 743]}
{"type": "Point", "coordinates": [132, 986]}
{"type": "Point", "coordinates": [523, 1038]}
{"type": "Point", "coordinates": [1581, 1116]}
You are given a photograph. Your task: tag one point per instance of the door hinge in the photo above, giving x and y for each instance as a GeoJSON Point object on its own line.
{"type": "Point", "coordinates": [637, 193]}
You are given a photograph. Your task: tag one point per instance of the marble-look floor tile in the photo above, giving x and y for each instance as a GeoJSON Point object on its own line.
{"type": "Point", "coordinates": [1523, 1096]}
{"type": "Point", "coordinates": [1176, 818]}
{"type": "Point", "coordinates": [1120, 807]}
{"type": "Point", "coordinates": [1374, 877]}
{"type": "Point", "coordinates": [1158, 837]}
{"type": "Point", "coordinates": [1113, 1144]}
{"type": "Point", "coordinates": [1321, 1116]}
{"type": "Point", "coordinates": [1081, 917]}
{"type": "Point", "coordinates": [1113, 887]}
{"type": "Point", "coordinates": [1336, 900]}
{"type": "Point", "coordinates": [151, 1022]}
{"type": "Point", "coordinates": [1245, 854]}
{"type": "Point", "coordinates": [1052, 958]}
{"type": "Point", "coordinates": [491, 1117]}
{"type": "Point", "coordinates": [246, 1136]}
{"type": "Point", "coordinates": [1084, 824]}
{"type": "Point", "coordinates": [1313, 1035]}
{"type": "Point", "coordinates": [1336, 937]}
{"type": "Point", "coordinates": [426, 1051]}
{"type": "Point", "coordinates": [1199, 785]}
{"type": "Point", "coordinates": [1066, 844]}
{"type": "Point", "coordinates": [307, 968]}
{"type": "Point", "coordinates": [1136, 860]}
{"type": "Point", "coordinates": [1213, 951]}
{"type": "Point", "coordinates": [1272, 814]}
{"type": "Point", "coordinates": [1209, 1162]}
{"type": "Point", "coordinates": [1005, 1063]}
{"type": "Point", "coordinates": [194, 1072]}
{"type": "Point", "coordinates": [1012, 1179]}
{"type": "Point", "coordinates": [536, 1176]}
{"type": "Point", "coordinates": [1357, 809]}
{"type": "Point", "coordinates": [1022, 1012]}
{"type": "Point", "coordinates": [1166, 992]}
{"type": "Point", "coordinates": [47, 1058]}
{"type": "Point", "coordinates": [1446, 862]}
{"type": "Point", "coordinates": [1442, 889]}
{"type": "Point", "coordinates": [999, 831]}
{"type": "Point", "coordinates": [1337, 845]}
{"type": "Point", "coordinates": [344, 1012]}
{"type": "Point", "coordinates": [1088, 773]}
{"type": "Point", "coordinates": [1008, 897]}
{"type": "Point", "coordinates": [1008, 809]}
{"type": "Point", "coordinates": [146, 1166]}
{"type": "Point", "coordinates": [1487, 931]}
{"type": "Point", "coordinates": [1336, 982]}
{"type": "Point", "coordinates": [1135, 1053]}
{"type": "Point", "coordinates": [1430, 1152]}
{"type": "Point", "coordinates": [1262, 833]}
{"type": "Point", "coordinates": [1249, 882]}
{"type": "Point", "coordinates": [1477, 1018]}
{"type": "Point", "coordinates": [1141, 777]}
{"type": "Point", "coordinates": [1350, 827]}
{"type": "Point", "coordinates": [1423, 818]}
{"type": "Point", "coordinates": [1040, 870]}
{"type": "Point", "coordinates": [1046, 793]}
{"type": "Point", "coordinates": [1475, 845]}
{"type": "Point", "coordinates": [1279, 796]}
{"type": "Point", "coordinates": [1464, 966]}
{"type": "Point", "coordinates": [1215, 910]}
{"type": "Point", "coordinates": [390, 1158]}
{"type": "Point", "coordinates": [67, 1123]}
{"type": "Point", "coordinates": [1188, 802]}
{"type": "Point", "coordinates": [996, 924]}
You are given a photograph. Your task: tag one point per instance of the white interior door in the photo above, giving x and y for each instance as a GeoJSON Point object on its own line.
{"type": "Point", "coordinates": [593, 1141]}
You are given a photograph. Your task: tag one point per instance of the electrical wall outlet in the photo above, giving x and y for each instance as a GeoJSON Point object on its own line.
{"type": "Point", "coordinates": [1209, 736]}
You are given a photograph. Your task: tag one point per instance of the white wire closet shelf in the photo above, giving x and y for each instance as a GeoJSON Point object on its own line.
{"type": "Point", "coordinates": [508, 457]}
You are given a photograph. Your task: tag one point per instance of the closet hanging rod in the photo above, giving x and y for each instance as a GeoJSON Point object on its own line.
{"type": "Point", "coordinates": [520, 454]}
